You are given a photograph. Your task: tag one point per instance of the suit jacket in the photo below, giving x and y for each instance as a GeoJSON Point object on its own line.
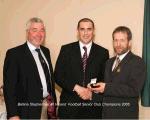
{"type": "Point", "coordinates": [123, 86]}
{"type": "Point", "coordinates": [68, 72]}
{"type": "Point", "coordinates": [23, 90]}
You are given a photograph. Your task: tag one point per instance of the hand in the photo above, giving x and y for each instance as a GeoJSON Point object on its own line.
{"type": "Point", "coordinates": [89, 86]}
{"type": "Point", "coordinates": [15, 118]}
{"type": "Point", "coordinates": [94, 85]}
{"type": "Point", "coordinates": [84, 93]}
{"type": "Point", "coordinates": [101, 87]}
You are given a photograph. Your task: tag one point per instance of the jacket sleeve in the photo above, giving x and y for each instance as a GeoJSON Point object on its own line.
{"type": "Point", "coordinates": [61, 71]}
{"type": "Point", "coordinates": [10, 77]}
{"type": "Point", "coordinates": [96, 96]}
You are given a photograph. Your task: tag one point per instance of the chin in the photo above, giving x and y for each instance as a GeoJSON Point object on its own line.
{"type": "Point", "coordinates": [88, 41]}
{"type": "Point", "coordinates": [121, 53]}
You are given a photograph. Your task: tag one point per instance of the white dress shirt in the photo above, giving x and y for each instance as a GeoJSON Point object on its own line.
{"type": "Point", "coordinates": [88, 46]}
{"type": "Point", "coordinates": [120, 58]}
{"type": "Point", "coordinates": [39, 66]}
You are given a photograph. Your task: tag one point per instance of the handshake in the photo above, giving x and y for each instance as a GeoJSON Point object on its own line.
{"type": "Point", "coordinates": [85, 93]}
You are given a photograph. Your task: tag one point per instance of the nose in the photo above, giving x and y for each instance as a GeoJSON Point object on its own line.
{"type": "Point", "coordinates": [39, 33]}
{"type": "Point", "coordinates": [118, 44]}
{"type": "Point", "coordinates": [86, 32]}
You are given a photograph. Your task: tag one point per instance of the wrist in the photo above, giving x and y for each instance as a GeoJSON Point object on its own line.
{"type": "Point", "coordinates": [76, 87]}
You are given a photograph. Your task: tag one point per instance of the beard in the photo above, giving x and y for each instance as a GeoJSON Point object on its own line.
{"type": "Point", "coordinates": [121, 51]}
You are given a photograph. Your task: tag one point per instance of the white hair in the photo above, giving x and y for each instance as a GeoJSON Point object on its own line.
{"type": "Point", "coordinates": [33, 20]}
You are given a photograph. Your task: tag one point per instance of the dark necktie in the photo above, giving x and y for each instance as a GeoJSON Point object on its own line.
{"type": "Point", "coordinates": [51, 109]}
{"type": "Point", "coordinates": [45, 69]}
{"type": "Point", "coordinates": [117, 63]}
{"type": "Point", "coordinates": [84, 63]}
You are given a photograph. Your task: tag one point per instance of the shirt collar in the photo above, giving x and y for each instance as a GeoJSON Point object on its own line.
{"type": "Point", "coordinates": [122, 56]}
{"type": "Point", "coordinates": [86, 45]}
{"type": "Point", "coordinates": [31, 46]}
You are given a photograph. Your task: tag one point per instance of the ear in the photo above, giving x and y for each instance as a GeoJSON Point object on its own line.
{"type": "Point", "coordinates": [130, 43]}
{"type": "Point", "coordinates": [77, 35]}
{"type": "Point", "coordinates": [77, 30]}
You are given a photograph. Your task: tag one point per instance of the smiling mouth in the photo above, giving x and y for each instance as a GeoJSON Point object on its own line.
{"type": "Point", "coordinates": [86, 37]}
{"type": "Point", "coordinates": [38, 38]}
{"type": "Point", "coordinates": [118, 48]}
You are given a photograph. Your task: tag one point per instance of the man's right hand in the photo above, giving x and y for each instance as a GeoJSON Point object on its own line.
{"type": "Point", "coordinates": [83, 92]}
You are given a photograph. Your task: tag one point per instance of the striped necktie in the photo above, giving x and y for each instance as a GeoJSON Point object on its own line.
{"type": "Point", "coordinates": [84, 63]}
{"type": "Point", "coordinates": [117, 63]}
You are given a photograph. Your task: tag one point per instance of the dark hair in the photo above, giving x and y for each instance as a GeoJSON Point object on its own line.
{"type": "Point", "coordinates": [123, 29]}
{"type": "Point", "coordinates": [85, 20]}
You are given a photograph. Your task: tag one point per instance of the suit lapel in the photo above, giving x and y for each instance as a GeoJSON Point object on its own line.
{"type": "Point", "coordinates": [46, 56]}
{"type": "Point", "coordinates": [77, 54]}
{"type": "Point", "coordinates": [123, 62]}
{"type": "Point", "coordinates": [29, 56]}
{"type": "Point", "coordinates": [109, 71]}
{"type": "Point", "coordinates": [92, 54]}
{"type": "Point", "coordinates": [49, 83]}
{"type": "Point", "coordinates": [31, 62]}
{"type": "Point", "coordinates": [112, 62]}
{"type": "Point", "coordinates": [126, 58]}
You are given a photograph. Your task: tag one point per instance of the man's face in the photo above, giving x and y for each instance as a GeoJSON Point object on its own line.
{"type": "Point", "coordinates": [121, 43]}
{"type": "Point", "coordinates": [36, 34]}
{"type": "Point", "coordinates": [85, 32]}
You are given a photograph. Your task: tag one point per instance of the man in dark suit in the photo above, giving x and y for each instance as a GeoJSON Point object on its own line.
{"type": "Point", "coordinates": [78, 64]}
{"type": "Point", "coordinates": [26, 85]}
{"type": "Point", "coordinates": [124, 79]}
